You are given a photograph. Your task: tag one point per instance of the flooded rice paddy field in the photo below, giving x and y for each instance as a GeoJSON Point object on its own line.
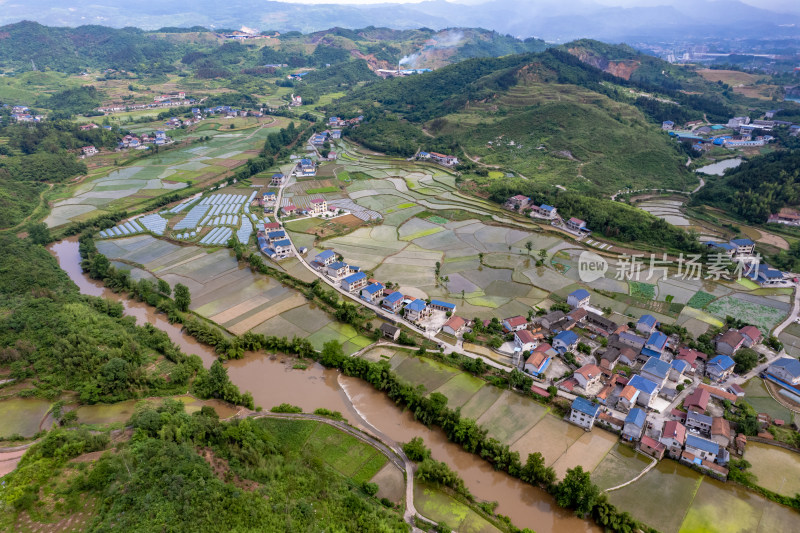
{"type": "Point", "coordinates": [775, 468]}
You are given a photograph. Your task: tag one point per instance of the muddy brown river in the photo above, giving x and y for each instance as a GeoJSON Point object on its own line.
{"type": "Point", "coordinates": [272, 380]}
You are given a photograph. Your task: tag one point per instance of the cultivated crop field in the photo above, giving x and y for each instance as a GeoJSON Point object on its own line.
{"type": "Point", "coordinates": [765, 314]}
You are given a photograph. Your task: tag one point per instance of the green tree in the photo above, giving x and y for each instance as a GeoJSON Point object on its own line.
{"type": "Point", "coordinates": [164, 288]}
{"type": "Point", "coordinates": [39, 233]}
{"type": "Point", "coordinates": [529, 247]}
{"type": "Point", "coordinates": [416, 450]}
{"type": "Point", "coordinates": [576, 491]}
{"type": "Point", "coordinates": [182, 297]}
{"type": "Point", "coordinates": [746, 359]}
{"type": "Point", "coordinates": [542, 254]}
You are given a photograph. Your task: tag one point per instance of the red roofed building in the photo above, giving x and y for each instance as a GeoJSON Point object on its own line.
{"type": "Point", "coordinates": [652, 447]}
{"type": "Point", "coordinates": [751, 335]}
{"type": "Point", "coordinates": [717, 393]}
{"type": "Point", "coordinates": [271, 226]}
{"type": "Point", "coordinates": [524, 340]}
{"type": "Point", "coordinates": [514, 323]}
{"type": "Point", "coordinates": [587, 375]}
{"type": "Point", "coordinates": [454, 325]}
{"type": "Point", "coordinates": [539, 359]}
{"type": "Point", "coordinates": [690, 356]}
{"type": "Point", "coordinates": [697, 400]}
{"type": "Point", "coordinates": [673, 436]}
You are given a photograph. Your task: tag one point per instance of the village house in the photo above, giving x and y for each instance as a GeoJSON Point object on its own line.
{"type": "Point", "coordinates": [454, 325]}
{"type": "Point", "coordinates": [416, 310]}
{"type": "Point", "coordinates": [667, 125]}
{"type": "Point", "coordinates": [393, 302]}
{"type": "Point", "coordinates": [631, 339]}
{"type": "Point", "coordinates": [697, 400]}
{"type": "Point", "coordinates": [517, 203]}
{"type": "Point", "coordinates": [354, 282]}
{"type": "Point", "coordinates": [578, 315]}
{"type": "Point", "coordinates": [282, 248]}
{"type": "Point", "coordinates": [439, 305]}
{"type": "Point", "coordinates": [648, 390]}
{"type": "Point", "coordinates": [88, 151]}
{"type": "Point", "coordinates": [701, 448]}
{"type": "Point", "coordinates": [690, 356]}
{"type": "Point", "coordinates": [443, 159]}
{"type": "Point", "coordinates": [720, 367]}
{"type": "Point", "coordinates": [578, 298]}
{"type": "Point", "coordinates": [318, 206]}
{"type": "Point", "coordinates": [552, 318]}
{"type": "Point", "coordinates": [729, 342]}
{"type": "Point", "coordinates": [577, 225]}
{"type": "Point", "coordinates": [722, 248]}
{"type": "Point", "coordinates": [289, 210]}
{"type": "Point", "coordinates": [372, 293]}
{"type": "Point", "coordinates": [539, 359]}
{"type": "Point", "coordinates": [751, 334]}
{"type": "Point", "coordinates": [673, 436]}
{"type": "Point", "coordinates": [678, 368]}
{"type": "Point", "coordinates": [743, 246]}
{"type": "Point", "coordinates": [786, 216]}
{"type": "Point", "coordinates": [627, 355]}
{"type": "Point", "coordinates": [601, 325]}
{"type": "Point", "coordinates": [587, 375]}
{"type": "Point", "coordinates": [277, 179]}
{"type": "Point", "coordinates": [646, 324]}
{"type": "Point", "coordinates": [609, 360]}
{"type": "Point", "coordinates": [627, 398]}
{"type": "Point", "coordinates": [268, 198]}
{"type": "Point", "coordinates": [89, 126]}
{"type": "Point", "coordinates": [634, 424]}
{"type": "Point", "coordinates": [785, 372]}
{"type": "Point", "coordinates": [545, 211]}
{"type": "Point", "coordinates": [655, 345]}
{"type": "Point", "coordinates": [721, 431]}
{"type": "Point", "coordinates": [306, 167]}
{"type": "Point", "coordinates": [275, 236]}
{"type": "Point", "coordinates": [608, 389]}
{"type": "Point", "coordinates": [524, 341]}
{"type": "Point", "coordinates": [583, 413]}
{"type": "Point", "coordinates": [325, 257]}
{"type": "Point", "coordinates": [565, 341]}
{"type": "Point", "coordinates": [656, 371]}
{"type": "Point", "coordinates": [699, 423]}
{"type": "Point", "coordinates": [270, 226]}
{"type": "Point", "coordinates": [652, 447]}
{"type": "Point", "coordinates": [389, 331]}
{"type": "Point", "coordinates": [514, 323]}
{"type": "Point", "coordinates": [338, 269]}
{"type": "Point", "coordinates": [765, 275]}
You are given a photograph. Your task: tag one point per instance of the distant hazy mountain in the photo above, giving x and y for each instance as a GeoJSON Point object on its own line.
{"type": "Point", "coordinates": [553, 20]}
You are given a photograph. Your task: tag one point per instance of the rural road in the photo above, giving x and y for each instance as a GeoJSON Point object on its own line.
{"type": "Point", "coordinates": [393, 451]}
{"type": "Point", "coordinates": [377, 309]}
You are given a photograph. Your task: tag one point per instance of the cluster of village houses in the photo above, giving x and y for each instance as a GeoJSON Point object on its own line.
{"type": "Point", "coordinates": [523, 204]}
{"type": "Point", "coordinates": [424, 313]}
{"type": "Point", "coordinates": [21, 113]}
{"type": "Point", "coordinates": [694, 432]}
{"type": "Point", "coordinates": [442, 159]}
{"type": "Point", "coordinates": [745, 133]}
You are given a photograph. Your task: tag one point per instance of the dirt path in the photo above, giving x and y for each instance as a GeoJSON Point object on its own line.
{"type": "Point", "coordinates": [391, 449]}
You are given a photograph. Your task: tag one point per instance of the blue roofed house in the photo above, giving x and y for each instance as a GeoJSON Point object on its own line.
{"type": "Point", "coordinates": [701, 449]}
{"type": "Point", "coordinates": [720, 367]}
{"type": "Point", "coordinates": [647, 324]}
{"type": "Point", "coordinates": [565, 341]}
{"type": "Point", "coordinates": [655, 345]}
{"type": "Point", "coordinates": [787, 370]}
{"type": "Point", "coordinates": [277, 235]}
{"type": "Point", "coordinates": [678, 368]}
{"type": "Point", "coordinates": [354, 282]}
{"type": "Point", "coordinates": [722, 248]}
{"type": "Point", "coordinates": [543, 211]}
{"type": "Point", "coordinates": [277, 179]}
{"type": "Point", "coordinates": [634, 424]}
{"type": "Point", "coordinates": [393, 302]}
{"type": "Point", "coordinates": [306, 167]}
{"type": "Point", "coordinates": [648, 390]}
{"type": "Point", "coordinates": [416, 310]}
{"type": "Point", "coordinates": [268, 198]}
{"type": "Point", "coordinates": [439, 305]}
{"type": "Point", "coordinates": [765, 275]}
{"type": "Point", "coordinates": [667, 125]}
{"type": "Point", "coordinates": [656, 371]}
{"type": "Point", "coordinates": [372, 293]}
{"type": "Point", "coordinates": [325, 257]}
{"type": "Point", "coordinates": [283, 248]}
{"type": "Point", "coordinates": [744, 246]}
{"type": "Point", "coordinates": [583, 413]}
{"type": "Point", "coordinates": [337, 269]}
{"type": "Point", "coordinates": [578, 298]}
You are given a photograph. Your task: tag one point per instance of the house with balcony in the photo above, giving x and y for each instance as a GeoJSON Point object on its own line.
{"type": "Point", "coordinates": [583, 413]}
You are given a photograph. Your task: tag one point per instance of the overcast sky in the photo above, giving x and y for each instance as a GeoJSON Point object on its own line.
{"type": "Point", "coordinates": [781, 6]}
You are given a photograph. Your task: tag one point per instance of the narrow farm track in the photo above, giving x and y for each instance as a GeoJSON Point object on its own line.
{"type": "Point", "coordinates": [392, 450]}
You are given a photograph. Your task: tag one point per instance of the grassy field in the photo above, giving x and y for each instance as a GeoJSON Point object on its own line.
{"type": "Point", "coordinates": [22, 416]}
{"type": "Point", "coordinates": [441, 507]}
